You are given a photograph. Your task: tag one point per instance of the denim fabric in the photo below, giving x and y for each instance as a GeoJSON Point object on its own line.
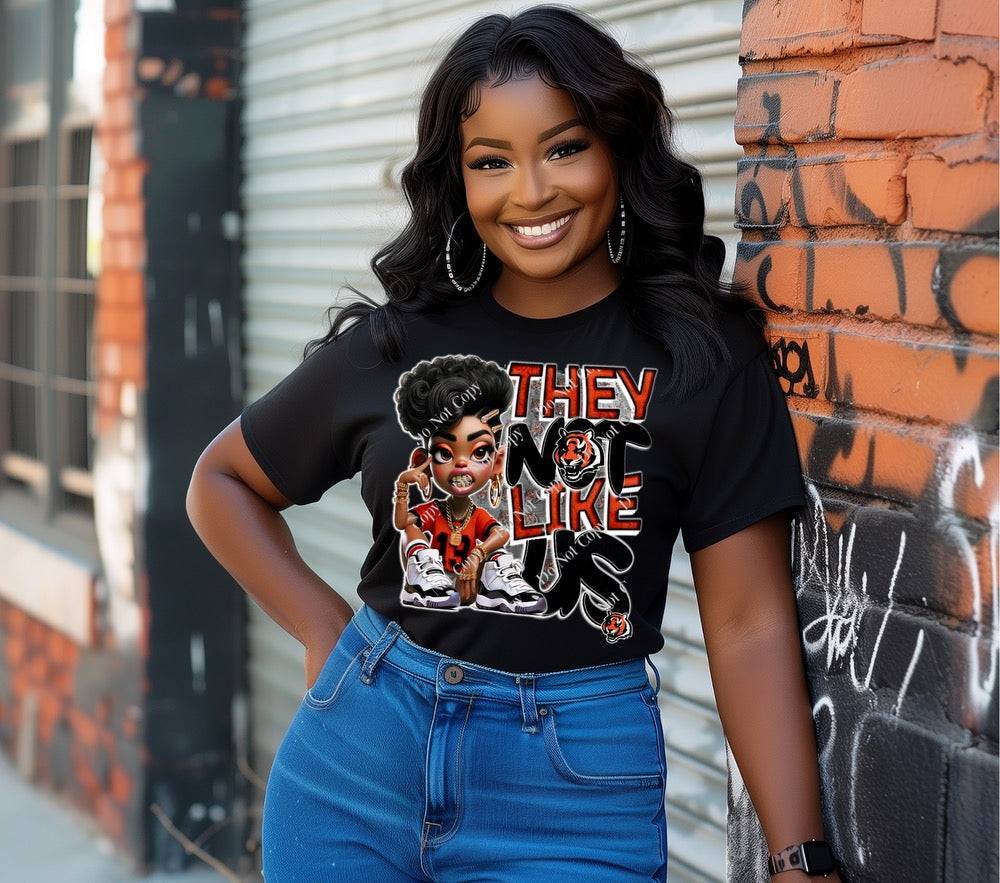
{"type": "Point", "coordinates": [404, 764]}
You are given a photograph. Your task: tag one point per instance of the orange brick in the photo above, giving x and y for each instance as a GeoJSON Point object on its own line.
{"type": "Point", "coordinates": [121, 145]}
{"type": "Point", "coordinates": [118, 324]}
{"type": "Point", "coordinates": [15, 648]}
{"type": "Point", "coordinates": [894, 370]}
{"type": "Point", "coordinates": [17, 619]}
{"type": "Point", "coordinates": [124, 252]}
{"type": "Point", "coordinates": [116, 10]}
{"type": "Point", "coordinates": [917, 23]}
{"type": "Point", "coordinates": [120, 288]}
{"type": "Point", "coordinates": [125, 217]}
{"type": "Point", "coordinates": [107, 391]}
{"type": "Point", "coordinates": [130, 727]}
{"type": "Point", "coordinates": [50, 709]}
{"type": "Point", "coordinates": [970, 282]}
{"type": "Point", "coordinates": [133, 361]}
{"type": "Point", "coordinates": [911, 97]}
{"type": "Point", "coordinates": [893, 458]}
{"type": "Point", "coordinates": [116, 41]}
{"type": "Point", "coordinates": [965, 17]}
{"type": "Point", "coordinates": [133, 175]}
{"type": "Point", "coordinates": [955, 187]}
{"type": "Point", "coordinates": [84, 728]}
{"type": "Point", "coordinates": [119, 111]}
{"type": "Point", "coordinates": [38, 668]}
{"type": "Point", "coordinates": [912, 282]}
{"type": "Point", "coordinates": [62, 682]}
{"type": "Point", "coordinates": [121, 784]}
{"type": "Point", "coordinates": [761, 191]}
{"type": "Point", "coordinates": [787, 107]}
{"type": "Point", "coordinates": [773, 28]}
{"type": "Point", "coordinates": [855, 191]}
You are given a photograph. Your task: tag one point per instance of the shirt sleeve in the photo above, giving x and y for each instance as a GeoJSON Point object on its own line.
{"type": "Point", "coordinates": [750, 467]}
{"type": "Point", "coordinates": [297, 432]}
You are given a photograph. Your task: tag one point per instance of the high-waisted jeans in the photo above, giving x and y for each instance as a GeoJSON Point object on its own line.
{"type": "Point", "coordinates": [404, 764]}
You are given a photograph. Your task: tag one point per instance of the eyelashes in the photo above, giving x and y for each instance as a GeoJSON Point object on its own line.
{"type": "Point", "coordinates": [481, 454]}
{"type": "Point", "coordinates": [483, 161]}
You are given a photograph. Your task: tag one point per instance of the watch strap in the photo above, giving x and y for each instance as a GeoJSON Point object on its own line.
{"type": "Point", "coordinates": [792, 858]}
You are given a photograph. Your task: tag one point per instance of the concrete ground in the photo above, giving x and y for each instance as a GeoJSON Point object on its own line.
{"type": "Point", "coordinates": [43, 840]}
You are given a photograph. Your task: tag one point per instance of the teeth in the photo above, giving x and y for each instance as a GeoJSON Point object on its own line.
{"type": "Point", "coordinates": [545, 228]}
{"type": "Point", "coordinates": [462, 480]}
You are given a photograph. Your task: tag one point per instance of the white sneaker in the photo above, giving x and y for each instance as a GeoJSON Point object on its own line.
{"type": "Point", "coordinates": [426, 584]}
{"type": "Point", "coordinates": [503, 588]}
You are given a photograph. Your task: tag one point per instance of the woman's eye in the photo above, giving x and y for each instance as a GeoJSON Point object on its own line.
{"type": "Point", "coordinates": [482, 454]}
{"type": "Point", "coordinates": [485, 161]}
{"type": "Point", "coordinates": [441, 455]}
{"type": "Point", "coordinates": [574, 146]}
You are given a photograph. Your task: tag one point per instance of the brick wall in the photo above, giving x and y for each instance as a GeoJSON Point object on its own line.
{"type": "Point", "coordinates": [98, 698]}
{"type": "Point", "coordinates": [868, 203]}
{"type": "Point", "coordinates": [71, 697]}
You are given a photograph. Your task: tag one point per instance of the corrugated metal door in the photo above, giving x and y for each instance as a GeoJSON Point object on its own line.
{"type": "Point", "coordinates": [329, 118]}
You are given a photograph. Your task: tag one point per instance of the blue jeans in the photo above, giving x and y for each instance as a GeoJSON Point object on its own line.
{"type": "Point", "coordinates": [404, 764]}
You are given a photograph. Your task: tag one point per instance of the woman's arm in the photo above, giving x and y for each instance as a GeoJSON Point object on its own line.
{"type": "Point", "coordinates": [746, 601]}
{"type": "Point", "coordinates": [234, 508]}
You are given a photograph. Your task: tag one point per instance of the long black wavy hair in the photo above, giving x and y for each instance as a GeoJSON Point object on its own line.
{"type": "Point", "coordinates": [669, 266]}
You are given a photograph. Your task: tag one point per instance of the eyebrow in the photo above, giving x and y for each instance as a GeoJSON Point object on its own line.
{"type": "Point", "coordinates": [548, 133]}
{"type": "Point", "coordinates": [469, 437]}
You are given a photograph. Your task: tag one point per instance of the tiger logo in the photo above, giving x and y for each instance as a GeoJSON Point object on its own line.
{"type": "Point", "coordinates": [578, 457]}
{"type": "Point", "coordinates": [616, 627]}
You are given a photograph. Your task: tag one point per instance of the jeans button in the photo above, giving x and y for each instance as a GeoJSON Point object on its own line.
{"type": "Point", "coordinates": [453, 674]}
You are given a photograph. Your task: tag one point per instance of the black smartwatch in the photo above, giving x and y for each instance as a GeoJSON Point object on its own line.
{"type": "Point", "coordinates": [814, 857]}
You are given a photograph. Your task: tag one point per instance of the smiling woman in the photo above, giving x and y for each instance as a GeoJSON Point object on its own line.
{"type": "Point", "coordinates": [543, 206]}
{"type": "Point", "coordinates": [556, 386]}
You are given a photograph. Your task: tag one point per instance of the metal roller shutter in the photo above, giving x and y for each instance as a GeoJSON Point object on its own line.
{"type": "Point", "coordinates": [329, 117]}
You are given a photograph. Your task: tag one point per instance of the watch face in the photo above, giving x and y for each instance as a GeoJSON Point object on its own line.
{"type": "Point", "coordinates": [819, 857]}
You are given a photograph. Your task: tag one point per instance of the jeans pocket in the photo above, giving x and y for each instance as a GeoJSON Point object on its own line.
{"type": "Point", "coordinates": [609, 741]}
{"type": "Point", "coordinates": [344, 660]}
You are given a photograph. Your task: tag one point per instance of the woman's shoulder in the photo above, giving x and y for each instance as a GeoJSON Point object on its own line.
{"type": "Point", "coordinates": [741, 325]}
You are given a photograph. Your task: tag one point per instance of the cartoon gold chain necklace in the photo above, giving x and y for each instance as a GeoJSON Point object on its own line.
{"type": "Point", "coordinates": [456, 529]}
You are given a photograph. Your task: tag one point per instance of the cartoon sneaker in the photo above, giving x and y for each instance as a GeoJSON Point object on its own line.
{"type": "Point", "coordinates": [427, 585]}
{"type": "Point", "coordinates": [503, 587]}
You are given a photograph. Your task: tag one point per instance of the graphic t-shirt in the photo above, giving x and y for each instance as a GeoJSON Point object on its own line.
{"type": "Point", "coordinates": [546, 444]}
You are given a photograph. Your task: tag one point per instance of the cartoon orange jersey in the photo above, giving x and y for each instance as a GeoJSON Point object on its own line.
{"type": "Point", "coordinates": [435, 526]}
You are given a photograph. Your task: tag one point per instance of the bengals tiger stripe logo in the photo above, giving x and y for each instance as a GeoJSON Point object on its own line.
{"type": "Point", "coordinates": [616, 627]}
{"type": "Point", "coordinates": [577, 457]}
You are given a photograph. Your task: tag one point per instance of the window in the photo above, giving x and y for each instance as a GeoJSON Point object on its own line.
{"type": "Point", "coordinates": [50, 176]}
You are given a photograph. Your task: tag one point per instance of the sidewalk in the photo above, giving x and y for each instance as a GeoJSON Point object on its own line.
{"type": "Point", "coordinates": [44, 841]}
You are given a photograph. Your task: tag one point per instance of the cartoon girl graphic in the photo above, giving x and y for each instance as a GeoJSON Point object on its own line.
{"type": "Point", "coordinates": [453, 550]}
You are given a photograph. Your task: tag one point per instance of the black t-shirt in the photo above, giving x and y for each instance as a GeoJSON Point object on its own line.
{"type": "Point", "coordinates": [599, 472]}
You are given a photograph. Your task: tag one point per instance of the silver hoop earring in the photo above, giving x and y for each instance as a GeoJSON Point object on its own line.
{"type": "Point", "coordinates": [621, 241]}
{"type": "Point", "coordinates": [447, 259]}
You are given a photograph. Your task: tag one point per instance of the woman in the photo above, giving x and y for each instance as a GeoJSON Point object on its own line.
{"type": "Point", "coordinates": [555, 233]}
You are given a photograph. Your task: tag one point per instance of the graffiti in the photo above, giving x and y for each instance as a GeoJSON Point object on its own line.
{"type": "Point", "coordinates": [793, 364]}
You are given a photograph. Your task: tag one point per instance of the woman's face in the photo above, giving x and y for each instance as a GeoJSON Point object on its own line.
{"type": "Point", "coordinates": [463, 456]}
{"type": "Point", "coordinates": [527, 160]}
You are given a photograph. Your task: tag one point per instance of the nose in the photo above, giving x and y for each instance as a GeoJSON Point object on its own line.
{"type": "Point", "coordinates": [531, 188]}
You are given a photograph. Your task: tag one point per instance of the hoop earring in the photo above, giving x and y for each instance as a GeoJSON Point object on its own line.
{"type": "Point", "coordinates": [495, 491]}
{"type": "Point", "coordinates": [447, 259]}
{"type": "Point", "coordinates": [621, 241]}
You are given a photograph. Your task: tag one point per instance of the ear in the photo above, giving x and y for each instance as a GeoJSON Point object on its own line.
{"type": "Point", "coordinates": [418, 456]}
{"type": "Point", "coordinates": [498, 463]}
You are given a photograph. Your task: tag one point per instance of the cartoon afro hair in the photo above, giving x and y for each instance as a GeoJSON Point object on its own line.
{"type": "Point", "coordinates": [436, 394]}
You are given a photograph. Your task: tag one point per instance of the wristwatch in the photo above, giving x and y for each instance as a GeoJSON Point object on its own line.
{"type": "Point", "coordinates": [813, 856]}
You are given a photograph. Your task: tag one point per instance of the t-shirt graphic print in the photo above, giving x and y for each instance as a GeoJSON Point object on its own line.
{"type": "Point", "coordinates": [530, 461]}
{"type": "Point", "coordinates": [526, 478]}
